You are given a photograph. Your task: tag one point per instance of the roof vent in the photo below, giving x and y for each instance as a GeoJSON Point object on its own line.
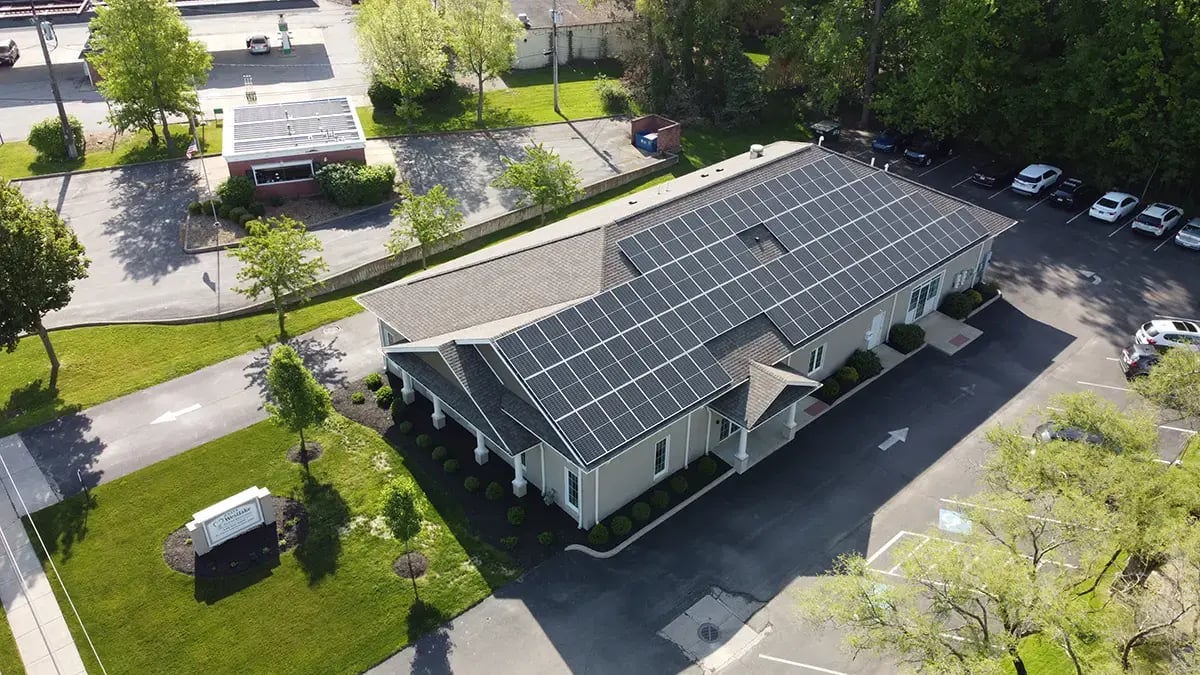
{"type": "Point", "coordinates": [756, 150]}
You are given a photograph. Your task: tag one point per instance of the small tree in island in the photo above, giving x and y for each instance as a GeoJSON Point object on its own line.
{"type": "Point", "coordinates": [402, 512]}
{"type": "Point", "coordinates": [543, 178]}
{"type": "Point", "coordinates": [40, 257]}
{"type": "Point", "coordinates": [298, 401]}
{"type": "Point", "coordinates": [425, 219]}
{"type": "Point", "coordinates": [275, 261]}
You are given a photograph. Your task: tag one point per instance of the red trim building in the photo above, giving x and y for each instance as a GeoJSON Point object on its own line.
{"type": "Point", "coordinates": [280, 145]}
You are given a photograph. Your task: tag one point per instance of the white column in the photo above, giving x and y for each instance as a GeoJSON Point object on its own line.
{"type": "Point", "coordinates": [406, 388]}
{"type": "Point", "coordinates": [481, 451]}
{"type": "Point", "coordinates": [741, 454]}
{"type": "Point", "coordinates": [439, 417]}
{"type": "Point", "coordinates": [519, 475]}
{"type": "Point", "coordinates": [791, 417]}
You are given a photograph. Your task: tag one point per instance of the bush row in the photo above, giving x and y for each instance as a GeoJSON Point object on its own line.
{"type": "Point", "coordinates": [862, 365]}
{"type": "Point", "coordinates": [621, 525]}
{"type": "Point", "coordinates": [46, 137]}
{"type": "Point", "coordinates": [353, 184]}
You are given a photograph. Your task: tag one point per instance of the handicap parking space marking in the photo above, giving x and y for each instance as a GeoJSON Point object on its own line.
{"type": "Point", "coordinates": [953, 522]}
{"type": "Point", "coordinates": [1077, 215]}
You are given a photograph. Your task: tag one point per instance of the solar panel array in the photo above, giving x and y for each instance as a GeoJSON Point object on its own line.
{"type": "Point", "coordinates": [626, 360]}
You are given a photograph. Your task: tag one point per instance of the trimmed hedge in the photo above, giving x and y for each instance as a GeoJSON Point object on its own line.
{"type": "Point", "coordinates": [829, 392]}
{"type": "Point", "coordinates": [384, 396]}
{"type": "Point", "coordinates": [353, 184]}
{"type": "Point", "coordinates": [546, 538]}
{"type": "Point", "coordinates": [397, 409]}
{"type": "Point", "coordinates": [906, 337]}
{"type": "Point", "coordinates": [847, 378]}
{"type": "Point", "coordinates": [707, 466]}
{"type": "Point", "coordinates": [245, 219]}
{"type": "Point", "coordinates": [404, 427]}
{"type": "Point", "coordinates": [866, 363]}
{"type": "Point", "coordinates": [974, 296]}
{"type": "Point", "coordinates": [660, 499]}
{"type": "Point", "coordinates": [986, 289]}
{"type": "Point", "coordinates": [679, 484]}
{"type": "Point", "coordinates": [621, 526]}
{"type": "Point", "coordinates": [439, 453]}
{"type": "Point", "coordinates": [615, 99]}
{"type": "Point", "coordinates": [956, 306]}
{"type": "Point", "coordinates": [516, 515]}
{"type": "Point", "coordinates": [450, 466]}
{"type": "Point", "coordinates": [46, 137]}
{"type": "Point", "coordinates": [598, 535]}
{"type": "Point", "coordinates": [494, 491]}
{"type": "Point", "coordinates": [237, 213]}
{"type": "Point", "coordinates": [373, 381]}
{"type": "Point", "coordinates": [471, 484]}
{"type": "Point", "coordinates": [640, 512]}
{"type": "Point", "coordinates": [424, 441]}
{"type": "Point", "coordinates": [509, 542]}
{"type": "Point", "coordinates": [357, 398]}
{"type": "Point", "coordinates": [236, 191]}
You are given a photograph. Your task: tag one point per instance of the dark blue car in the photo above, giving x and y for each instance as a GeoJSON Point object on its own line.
{"type": "Point", "coordinates": [890, 141]}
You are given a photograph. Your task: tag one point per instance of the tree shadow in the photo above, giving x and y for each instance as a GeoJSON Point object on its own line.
{"type": "Point", "coordinates": [430, 639]}
{"type": "Point", "coordinates": [61, 527]}
{"type": "Point", "coordinates": [66, 451]}
{"type": "Point", "coordinates": [33, 401]}
{"type": "Point", "coordinates": [323, 359]}
{"type": "Point", "coordinates": [148, 203]}
{"type": "Point", "coordinates": [327, 512]}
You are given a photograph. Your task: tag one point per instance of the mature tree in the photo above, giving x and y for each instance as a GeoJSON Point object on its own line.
{"type": "Point", "coordinates": [40, 258]}
{"type": "Point", "coordinates": [820, 51]}
{"type": "Point", "coordinates": [1173, 384]}
{"type": "Point", "coordinates": [424, 220]}
{"type": "Point", "coordinates": [149, 66]}
{"type": "Point", "coordinates": [403, 42]}
{"type": "Point", "coordinates": [484, 40]}
{"type": "Point", "coordinates": [543, 178]}
{"type": "Point", "coordinates": [402, 512]}
{"type": "Point", "coordinates": [275, 261]}
{"type": "Point", "coordinates": [298, 401]}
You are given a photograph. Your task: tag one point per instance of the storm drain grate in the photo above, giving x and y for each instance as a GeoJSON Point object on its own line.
{"type": "Point", "coordinates": [708, 632]}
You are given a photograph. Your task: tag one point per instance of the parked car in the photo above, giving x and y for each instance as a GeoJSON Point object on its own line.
{"type": "Point", "coordinates": [1158, 219]}
{"type": "Point", "coordinates": [1166, 331]}
{"type": "Point", "coordinates": [1189, 235]}
{"type": "Point", "coordinates": [9, 53]}
{"type": "Point", "coordinates": [890, 141]}
{"type": "Point", "coordinates": [832, 131]}
{"type": "Point", "coordinates": [1138, 359]}
{"type": "Point", "coordinates": [1036, 178]}
{"type": "Point", "coordinates": [925, 148]}
{"type": "Point", "coordinates": [258, 44]}
{"type": "Point", "coordinates": [1071, 194]}
{"type": "Point", "coordinates": [1113, 206]}
{"type": "Point", "coordinates": [1051, 431]}
{"type": "Point", "coordinates": [996, 172]}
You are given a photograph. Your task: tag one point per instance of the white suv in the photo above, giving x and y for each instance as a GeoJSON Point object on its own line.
{"type": "Point", "coordinates": [1169, 332]}
{"type": "Point", "coordinates": [1035, 178]}
{"type": "Point", "coordinates": [1158, 219]}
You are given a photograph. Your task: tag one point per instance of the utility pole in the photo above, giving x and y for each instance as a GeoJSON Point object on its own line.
{"type": "Point", "coordinates": [68, 135]}
{"type": "Point", "coordinates": [554, 50]}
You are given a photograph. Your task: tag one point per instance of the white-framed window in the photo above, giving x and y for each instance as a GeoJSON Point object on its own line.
{"type": "Point", "coordinates": [572, 489]}
{"type": "Point", "coordinates": [728, 428]}
{"type": "Point", "coordinates": [523, 460]}
{"type": "Point", "coordinates": [661, 455]}
{"type": "Point", "coordinates": [283, 172]}
{"type": "Point", "coordinates": [816, 359]}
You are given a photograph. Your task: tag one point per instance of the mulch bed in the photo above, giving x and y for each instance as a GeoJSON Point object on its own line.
{"type": "Point", "coordinates": [368, 413]}
{"type": "Point", "coordinates": [260, 546]}
{"type": "Point", "coordinates": [411, 565]}
{"type": "Point", "coordinates": [312, 448]}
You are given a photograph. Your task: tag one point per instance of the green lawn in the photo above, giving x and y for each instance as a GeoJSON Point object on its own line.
{"type": "Point", "coordinates": [757, 51]}
{"type": "Point", "coordinates": [1191, 455]}
{"type": "Point", "coordinates": [18, 159]}
{"type": "Point", "coordinates": [332, 606]}
{"type": "Point", "coordinates": [10, 659]}
{"type": "Point", "coordinates": [529, 99]}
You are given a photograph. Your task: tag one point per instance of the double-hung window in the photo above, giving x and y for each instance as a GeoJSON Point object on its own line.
{"type": "Point", "coordinates": [727, 429]}
{"type": "Point", "coordinates": [660, 458]}
{"type": "Point", "coordinates": [816, 359]}
{"type": "Point", "coordinates": [572, 490]}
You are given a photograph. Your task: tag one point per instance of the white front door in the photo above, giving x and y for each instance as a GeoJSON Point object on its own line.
{"type": "Point", "coordinates": [924, 299]}
{"type": "Point", "coordinates": [875, 334]}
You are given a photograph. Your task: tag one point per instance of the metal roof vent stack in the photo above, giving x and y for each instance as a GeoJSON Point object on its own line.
{"type": "Point", "coordinates": [756, 150]}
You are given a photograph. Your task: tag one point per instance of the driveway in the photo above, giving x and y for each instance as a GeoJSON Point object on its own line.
{"type": "Point", "coordinates": [129, 218]}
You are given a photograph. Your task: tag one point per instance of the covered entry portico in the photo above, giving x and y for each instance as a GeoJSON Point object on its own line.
{"type": "Point", "coordinates": [762, 414]}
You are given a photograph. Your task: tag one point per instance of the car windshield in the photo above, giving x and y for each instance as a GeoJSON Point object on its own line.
{"type": "Point", "coordinates": [1191, 229]}
{"type": "Point", "coordinates": [1029, 177]}
{"type": "Point", "coordinates": [1150, 329]}
{"type": "Point", "coordinates": [258, 40]}
{"type": "Point", "coordinates": [3, 49]}
{"type": "Point", "coordinates": [1107, 203]}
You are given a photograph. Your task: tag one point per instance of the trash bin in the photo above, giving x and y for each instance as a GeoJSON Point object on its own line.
{"type": "Point", "coordinates": [647, 142]}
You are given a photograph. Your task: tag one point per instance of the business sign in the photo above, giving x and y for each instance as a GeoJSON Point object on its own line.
{"type": "Point", "coordinates": [231, 517]}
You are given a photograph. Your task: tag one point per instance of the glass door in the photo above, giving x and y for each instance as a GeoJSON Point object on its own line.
{"type": "Point", "coordinates": [923, 299]}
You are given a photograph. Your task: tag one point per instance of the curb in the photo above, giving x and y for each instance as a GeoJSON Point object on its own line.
{"type": "Point", "coordinates": [999, 294]}
{"type": "Point", "coordinates": [115, 167]}
{"type": "Point", "coordinates": [604, 555]}
{"type": "Point", "coordinates": [489, 129]}
{"type": "Point", "coordinates": [319, 225]}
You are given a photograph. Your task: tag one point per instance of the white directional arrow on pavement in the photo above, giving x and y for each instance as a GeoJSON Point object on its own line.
{"type": "Point", "coordinates": [1090, 275]}
{"type": "Point", "coordinates": [172, 415]}
{"type": "Point", "coordinates": [894, 437]}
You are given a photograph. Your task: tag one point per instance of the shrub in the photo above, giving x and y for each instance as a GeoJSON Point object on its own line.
{"type": "Point", "coordinates": [276, 200]}
{"type": "Point", "coordinates": [516, 515]}
{"type": "Point", "coordinates": [615, 99]}
{"type": "Point", "coordinates": [223, 209]}
{"type": "Point", "coordinates": [246, 219]}
{"type": "Point", "coordinates": [546, 538]}
{"type": "Point", "coordinates": [679, 485]}
{"type": "Point", "coordinates": [424, 441]}
{"type": "Point", "coordinates": [236, 213]}
{"type": "Point", "coordinates": [660, 499]}
{"type": "Point", "coordinates": [196, 208]}
{"type": "Point", "coordinates": [352, 184]}
{"type": "Point", "coordinates": [357, 397]}
{"type": "Point", "coordinates": [986, 289]}
{"type": "Point", "coordinates": [383, 97]}
{"type": "Point", "coordinates": [598, 535]}
{"type": "Point", "coordinates": [397, 409]}
{"type": "Point", "coordinates": [906, 337]}
{"type": "Point", "coordinates": [373, 381]}
{"type": "Point", "coordinates": [257, 209]}
{"type": "Point", "coordinates": [404, 427]}
{"type": "Point", "coordinates": [494, 491]}
{"type": "Point", "coordinates": [46, 137]}
{"type": "Point", "coordinates": [439, 453]}
{"type": "Point", "coordinates": [974, 296]}
{"type": "Point", "coordinates": [384, 396]}
{"type": "Point", "coordinates": [471, 484]}
{"type": "Point", "coordinates": [866, 363]}
{"type": "Point", "coordinates": [509, 542]}
{"type": "Point", "coordinates": [707, 466]}
{"type": "Point", "coordinates": [847, 377]}
{"type": "Point", "coordinates": [640, 512]}
{"type": "Point", "coordinates": [621, 526]}
{"type": "Point", "coordinates": [236, 191]}
{"type": "Point", "coordinates": [450, 466]}
{"type": "Point", "coordinates": [829, 391]}
{"type": "Point", "coordinates": [956, 306]}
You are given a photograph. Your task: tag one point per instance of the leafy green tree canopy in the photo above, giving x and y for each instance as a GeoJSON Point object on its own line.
{"type": "Point", "coordinates": [403, 43]}
{"type": "Point", "coordinates": [484, 40]}
{"type": "Point", "coordinates": [298, 401]}
{"type": "Point", "coordinates": [276, 261]}
{"type": "Point", "coordinates": [542, 177]}
{"type": "Point", "coordinates": [425, 220]}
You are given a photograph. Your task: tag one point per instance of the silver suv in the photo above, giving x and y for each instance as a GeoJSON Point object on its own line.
{"type": "Point", "coordinates": [1166, 331]}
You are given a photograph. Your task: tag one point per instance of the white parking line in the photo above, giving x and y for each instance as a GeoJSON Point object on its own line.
{"type": "Point", "coordinates": [889, 544]}
{"type": "Point", "coordinates": [935, 168]}
{"type": "Point", "coordinates": [1077, 215]}
{"type": "Point", "coordinates": [1038, 202]}
{"type": "Point", "coordinates": [1102, 386]}
{"type": "Point", "coordinates": [962, 181]}
{"type": "Point", "coordinates": [1164, 242]}
{"type": "Point", "coordinates": [1121, 227]}
{"type": "Point", "coordinates": [817, 669]}
{"type": "Point", "coordinates": [1111, 358]}
{"type": "Point", "coordinates": [997, 192]}
{"type": "Point", "coordinates": [1182, 431]}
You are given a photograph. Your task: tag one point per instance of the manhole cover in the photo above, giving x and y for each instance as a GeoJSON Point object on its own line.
{"type": "Point", "coordinates": [709, 632]}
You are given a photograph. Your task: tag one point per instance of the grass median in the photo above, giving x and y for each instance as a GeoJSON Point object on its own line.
{"type": "Point", "coordinates": [332, 605]}
{"type": "Point", "coordinates": [104, 150]}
